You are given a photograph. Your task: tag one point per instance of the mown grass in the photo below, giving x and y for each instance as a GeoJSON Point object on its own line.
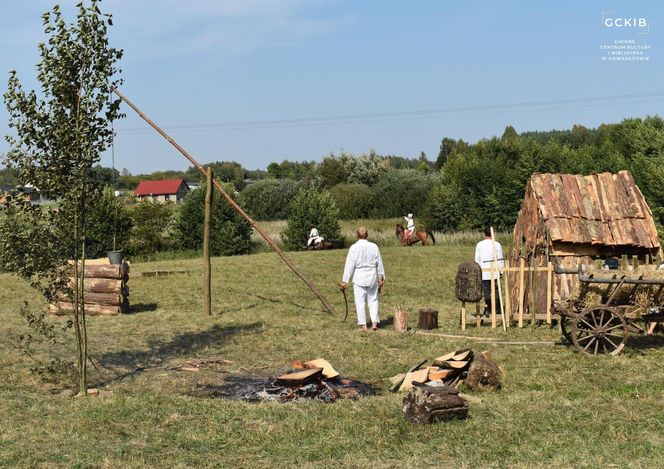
{"type": "Point", "coordinates": [557, 408]}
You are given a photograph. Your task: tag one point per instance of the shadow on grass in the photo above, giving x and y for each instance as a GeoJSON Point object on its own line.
{"type": "Point", "coordinates": [133, 362]}
{"type": "Point", "coordinates": [239, 308]}
{"type": "Point", "coordinates": [645, 341]}
{"type": "Point", "coordinates": [142, 308]}
{"type": "Point", "coordinates": [292, 303]}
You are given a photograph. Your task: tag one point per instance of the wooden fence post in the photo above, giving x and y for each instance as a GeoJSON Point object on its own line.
{"type": "Point", "coordinates": [478, 316]}
{"type": "Point", "coordinates": [207, 275]}
{"type": "Point", "coordinates": [533, 293]}
{"type": "Point", "coordinates": [507, 297]}
{"type": "Point", "coordinates": [522, 290]}
{"type": "Point", "coordinates": [493, 297]}
{"type": "Point", "coordinates": [463, 315]}
{"type": "Point", "coordinates": [549, 291]}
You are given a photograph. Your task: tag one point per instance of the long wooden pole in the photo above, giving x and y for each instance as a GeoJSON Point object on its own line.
{"type": "Point", "coordinates": [500, 292]}
{"type": "Point", "coordinates": [207, 266]}
{"type": "Point", "coordinates": [228, 198]}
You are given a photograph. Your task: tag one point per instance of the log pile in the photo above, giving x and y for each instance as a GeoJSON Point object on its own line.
{"type": "Point", "coordinates": [428, 404]}
{"type": "Point", "coordinates": [478, 371]}
{"type": "Point", "coordinates": [105, 290]}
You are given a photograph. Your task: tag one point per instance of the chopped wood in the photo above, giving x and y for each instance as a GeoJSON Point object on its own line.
{"type": "Point", "coordinates": [102, 285]}
{"type": "Point", "coordinates": [63, 308]}
{"type": "Point", "coordinates": [456, 364]}
{"type": "Point", "coordinates": [462, 355]}
{"type": "Point", "coordinates": [120, 271]}
{"type": "Point", "coordinates": [190, 368]}
{"type": "Point", "coordinates": [298, 365]}
{"type": "Point", "coordinates": [428, 404]}
{"type": "Point", "coordinates": [395, 387]}
{"type": "Point", "coordinates": [299, 377]}
{"type": "Point", "coordinates": [444, 358]}
{"type": "Point", "coordinates": [441, 374]}
{"type": "Point", "coordinates": [484, 374]}
{"type": "Point", "coordinates": [419, 376]}
{"type": "Point", "coordinates": [110, 299]}
{"type": "Point", "coordinates": [397, 378]}
{"type": "Point", "coordinates": [328, 371]}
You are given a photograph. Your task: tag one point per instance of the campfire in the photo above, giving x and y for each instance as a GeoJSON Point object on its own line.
{"type": "Point", "coordinates": [316, 380]}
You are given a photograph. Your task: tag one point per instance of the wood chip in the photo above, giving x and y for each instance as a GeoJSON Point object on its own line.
{"type": "Point", "coordinates": [419, 376]}
{"type": "Point", "coordinates": [328, 371]}
{"type": "Point", "coordinates": [299, 376]}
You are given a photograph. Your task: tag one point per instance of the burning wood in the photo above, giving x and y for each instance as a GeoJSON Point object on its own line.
{"type": "Point", "coordinates": [304, 381]}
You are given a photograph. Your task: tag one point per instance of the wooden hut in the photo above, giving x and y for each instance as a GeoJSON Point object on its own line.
{"type": "Point", "coordinates": [571, 219]}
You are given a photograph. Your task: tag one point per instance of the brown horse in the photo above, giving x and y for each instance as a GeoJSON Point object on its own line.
{"type": "Point", "coordinates": [419, 236]}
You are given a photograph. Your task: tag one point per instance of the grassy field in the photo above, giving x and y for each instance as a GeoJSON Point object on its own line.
{"type": "Point", "coordinates": [557, 408]}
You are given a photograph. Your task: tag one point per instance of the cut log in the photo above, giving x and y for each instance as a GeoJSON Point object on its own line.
{"type": "Point", "coordinates": [299, 377]}
{"type": "Point", "coordinates": [106, 271]}
{"type": "Point", "coordinates": [419, 376]}
{"type": "Point", "coordinates": [483, 374]}
{"type": "Point", "coordinates": [428, 319]}
{"type": "Point", "coordinates": [428, 404]}
{"type": "Point", "coordinates": [102, 285]}
{"type": "Point", "coordinates": [328, 371]}
{"type": "Point", "coordinates": [400, 321]}
{"type": "Point", "coordinates": [110, 299]}
{"type": "Point", "coordinates": [63, 308]}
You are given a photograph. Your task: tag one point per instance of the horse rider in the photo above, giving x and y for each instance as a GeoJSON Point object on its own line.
{"type": "Point", "coordinates": [314, 237]}
{"type": "Point", "coordinates": [410, 227]}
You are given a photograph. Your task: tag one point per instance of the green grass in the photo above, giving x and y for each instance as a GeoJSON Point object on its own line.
{"type": "Point", "coordinates": [557, 408]}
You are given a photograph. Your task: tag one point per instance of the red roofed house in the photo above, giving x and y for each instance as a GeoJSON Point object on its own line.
{"type": "Point", "coordinates": [165, 190]}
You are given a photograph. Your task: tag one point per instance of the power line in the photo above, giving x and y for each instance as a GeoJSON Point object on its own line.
{"type": "Point", "coordinates": [414, 115]}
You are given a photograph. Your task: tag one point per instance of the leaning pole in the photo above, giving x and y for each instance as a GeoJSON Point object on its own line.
{"type": "Point", "coordinates": [239, 209]}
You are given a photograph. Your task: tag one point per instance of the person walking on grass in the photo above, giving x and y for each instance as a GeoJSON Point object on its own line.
{"type": "Point", "coordinates": [484, 257]}
{"type": "Point", "coordinates": [365, 266]}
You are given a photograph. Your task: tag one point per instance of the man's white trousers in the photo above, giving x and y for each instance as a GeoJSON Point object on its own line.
{"type": "Point", "coordinates": [364, 296]}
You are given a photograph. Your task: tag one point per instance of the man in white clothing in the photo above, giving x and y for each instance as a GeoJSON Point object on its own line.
{"type": "Point", "coordinates": [484, 257]}
{"type": "Point", "coordinates": [365, 266]}
{"type": "Point", "coordinates": [410, 227]}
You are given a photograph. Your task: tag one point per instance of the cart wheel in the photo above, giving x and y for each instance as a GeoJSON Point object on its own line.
{"type": "Point", "coordinates": [599, 329]}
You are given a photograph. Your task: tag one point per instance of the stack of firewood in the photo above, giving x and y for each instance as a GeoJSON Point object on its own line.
{"type": "Point", "coordinates": [105, 290]}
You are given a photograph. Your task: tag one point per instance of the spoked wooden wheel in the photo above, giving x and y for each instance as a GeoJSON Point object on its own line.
{"type": "Point", "coordinates": [599, 329]}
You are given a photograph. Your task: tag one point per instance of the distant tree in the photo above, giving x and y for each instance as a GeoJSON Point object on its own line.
{"type": "Point", "coordinates": [311, 206]}
{"type": "Point", "coordinates": [105, 176]}
{"type": "Point", "coordinates": [295, 170]}
{"type": "Point", "coordinates": [330, 172]}
{"type": "Point", "coordinates": [109, 223]}
{"type": "Point", "coordinates": [152, 227]}
{"type": "Point", "coordinates": [230, 234]}
{"type": "Point", "coordinates": [9, 177]}
{"type": "Point", "coordinates": [400, 192]}
{"type": "Point", "coordinates": [269, 199]}
{"type": "Point", "coordinates": [352, 200]}
{"type": "Point", "coordinates": [447, 146]}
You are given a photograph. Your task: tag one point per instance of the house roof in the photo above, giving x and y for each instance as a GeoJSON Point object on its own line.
{"type": "Point", "coordinates": [161, 187]}
{"type": "Point", "coordinates": [603, 208]}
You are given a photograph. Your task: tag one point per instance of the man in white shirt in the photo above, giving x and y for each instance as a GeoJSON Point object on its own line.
{"type": "Point", "coordinates": [484, 257]}
{"type": "Point", "coordinates": [365, 266]}
{"type": "Point", "coordinates": [410, 226]}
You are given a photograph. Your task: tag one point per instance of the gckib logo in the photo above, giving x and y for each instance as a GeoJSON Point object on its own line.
{"type": "Point", "coordinates": [640, 24]}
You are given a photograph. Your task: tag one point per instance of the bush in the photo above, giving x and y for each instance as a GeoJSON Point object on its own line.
{"type": "Point", "coordinates": [108, 218]}
{"type": "Point", "coordinates": [352, 200]}
{"type": "Point", "coordinates": [230, 234]}
{"type": "Point", "coordinates": [269, 199]}
{"type": "Point", "coordinates": [401, 191]}
{"type": "Point", "coordinates": [311, 206]}
{"type": "Point", "coordinates": [152, 226]}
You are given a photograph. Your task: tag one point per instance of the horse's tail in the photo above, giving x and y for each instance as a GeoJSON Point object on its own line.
{"type": "Point", "coordinates": [433, 238]}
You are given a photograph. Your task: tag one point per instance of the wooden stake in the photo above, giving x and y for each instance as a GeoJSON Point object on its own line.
{"type": "Point", "coordinates": [239, 209]}
{"type": "Point", "coordinates": [493, 298]}
{"type": "Point", "coordinates": [522, 290]}
{"type": "Point", "coordinates": [478, 317]}
{"type": "Point", "coordinates": [549, 291]}
{"type": "Point", "coordinates": [207, 266]}
{"type": "Point", "coordinates": [463, 315]}
{"type": "Point", "coordinates": [500, 294]}
{"type": "Point", "coordinates": [533, 292]}
{"type": "Point", "coordinates": [508, 304]}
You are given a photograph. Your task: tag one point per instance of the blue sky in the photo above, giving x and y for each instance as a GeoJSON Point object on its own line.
{"type": "Point", "coordinates": [207, 62]}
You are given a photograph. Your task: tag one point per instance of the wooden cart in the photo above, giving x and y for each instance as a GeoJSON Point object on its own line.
{"type": "Point", "coordinates": [605, 328]}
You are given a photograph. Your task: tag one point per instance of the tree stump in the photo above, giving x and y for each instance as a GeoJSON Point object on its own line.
{"type": "Point", "coordinates": [428, 319]}
{"type": "Point", "coordinates": [483, 374]}
{"type": "Point", "coordinates": [428, 404]}
{"type": "Point", "coordinates": [400, 321]}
